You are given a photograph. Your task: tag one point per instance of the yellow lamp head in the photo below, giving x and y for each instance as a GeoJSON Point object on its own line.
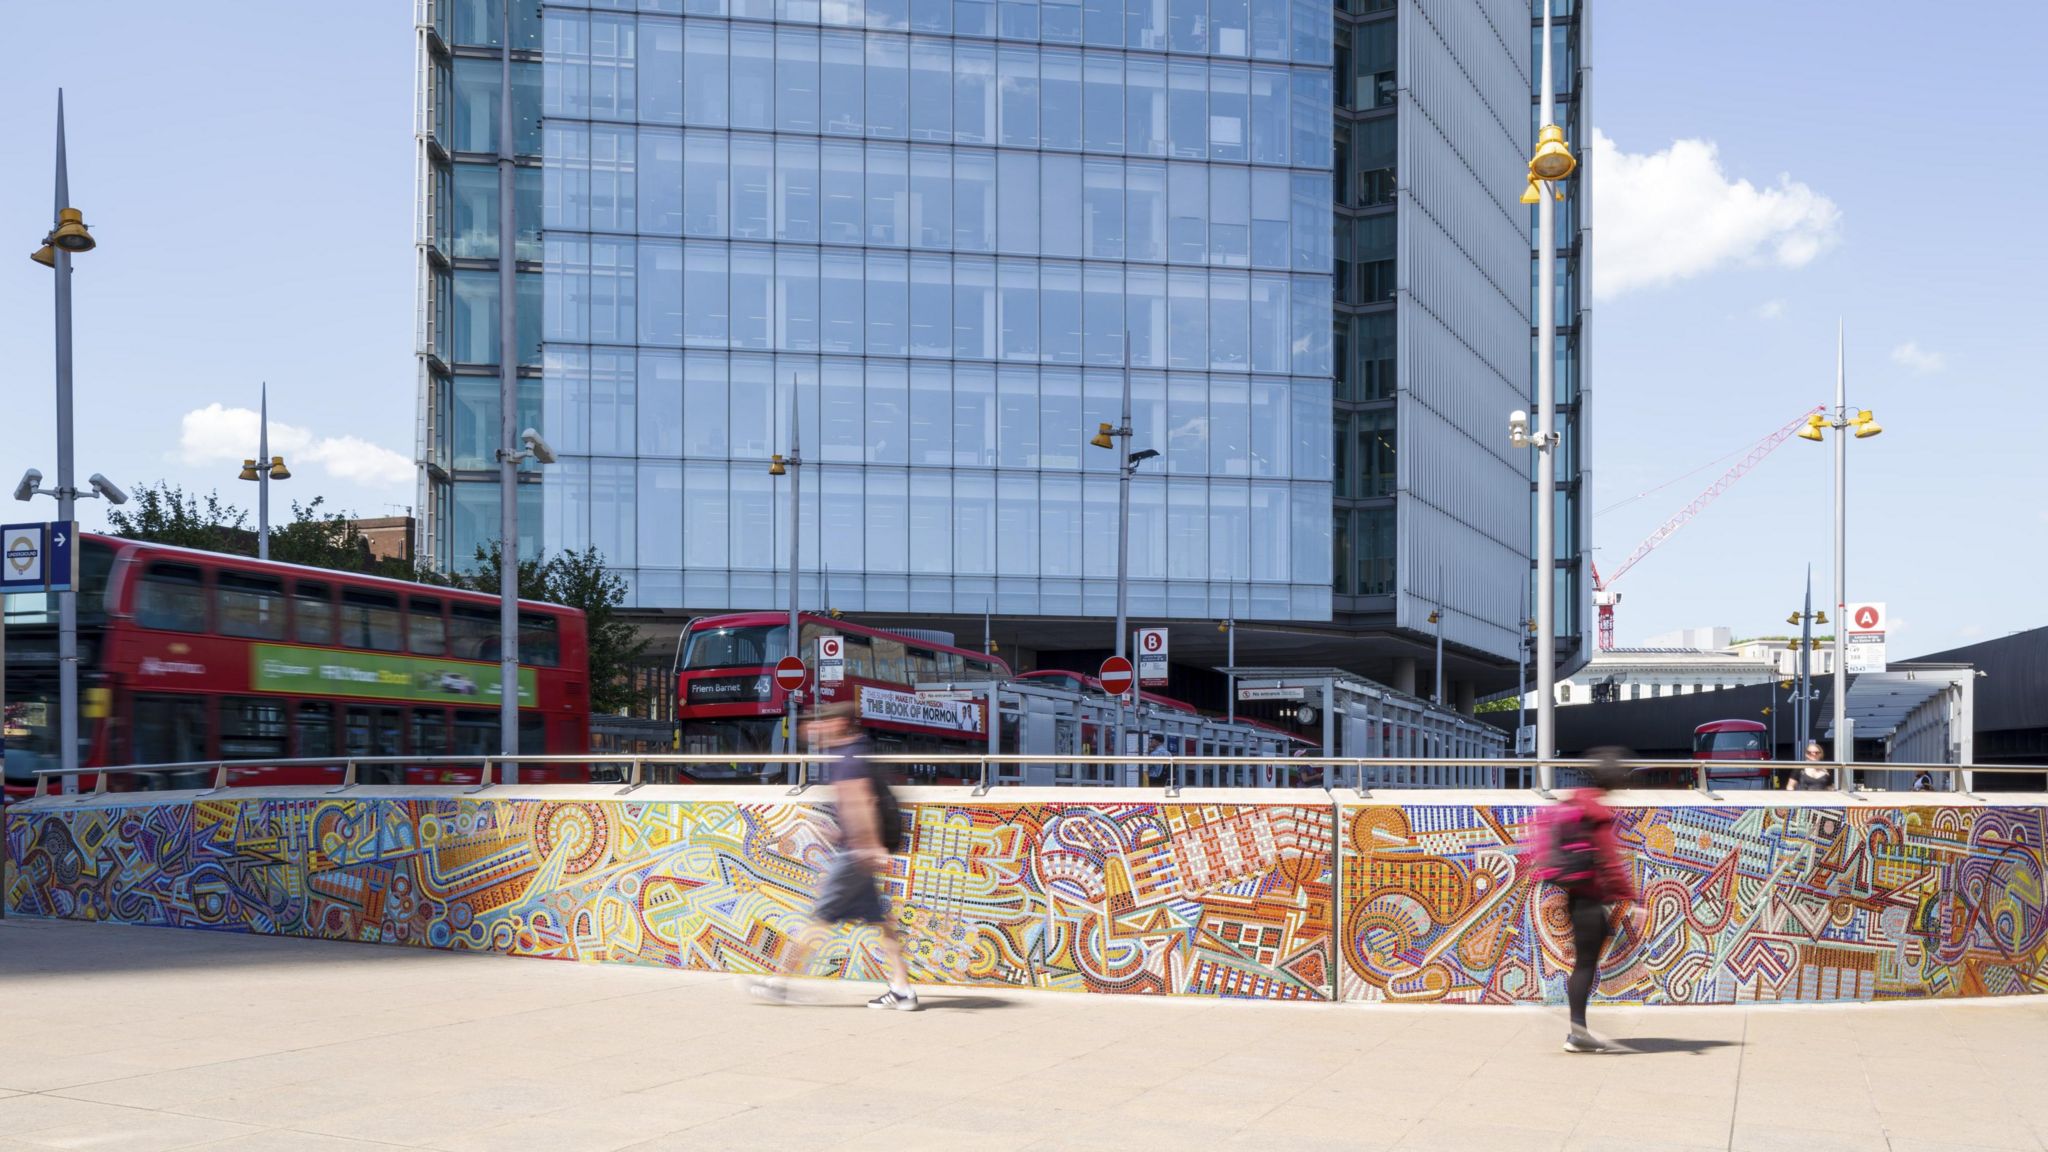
{"type": "Point", "coordinates": [1792, 619]}
{"type": "Point", "coordinates": [1531, 194]}
{"type": "Point", "coordinates": [46, 256]}
{"type": "Point", "coordinates": [1223, 626]}
{"type": "Point", "coordinates": [1101, 438]}
{"type": "Point", "coordinates": [1866, 425]}
{"type": "Point", "coordinates": [1820, 617]}
{"type": "Point", "coordinates": [248, 470]}
{"type": "Point", "coordinates": [1814, 424]}
{"type": "Point", "coordinates": [277, 469]}
{"type": "Point", "coordinates": [71, 234]}
{"type": "Point", "coordinates": [1435, 617]}
{"type": "Point", "coordinates": [1553, 159]}
{"type": "Point", "coordinates": [775, 467]}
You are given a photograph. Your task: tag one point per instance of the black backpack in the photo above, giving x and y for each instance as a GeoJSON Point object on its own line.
{"type": "Point", "coordinates": [891, 826]}
{"type": "Point", "coordinates": [1572, 856]}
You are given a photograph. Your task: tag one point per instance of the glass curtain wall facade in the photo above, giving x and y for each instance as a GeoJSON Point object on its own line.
{"type": "Point", "coordinates": [456, 129]}
{"type": "Point", "coordinates": [1574, 245]}
{"type": "Point", "coordinates": [1363, 342]}
{"type": "Point", "coordinates": [924, 228]}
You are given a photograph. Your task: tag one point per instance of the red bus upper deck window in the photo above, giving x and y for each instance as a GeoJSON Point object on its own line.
{"type": "Point", "coordinates": [173, 597]}
{"type": "Point", "coordinates": [539, 642]}
{"type": "Point", "coordinates": [749, 647]}
{"type": "Point", "coordinates": [426, 633]}
{"type": "Point", "coordinates": [369, 619]}
{"type": "Point", "coordinates": [250, 605]}
{"type": "Point", "coordinates": [313, 612]}
{"type": "Point", "coordinates": [472, 632]}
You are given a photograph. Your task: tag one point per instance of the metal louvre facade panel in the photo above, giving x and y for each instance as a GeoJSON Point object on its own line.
{"type": "Point", "coordinates": [1464, 318]}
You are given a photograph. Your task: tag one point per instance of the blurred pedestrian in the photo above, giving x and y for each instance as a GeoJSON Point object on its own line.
{"type": "Point", "coordinates": [1814, 774]}
{"type": "Point", "coordinates": [1579, 854]}
{"type": "Point", "coordinates": [869, 830]}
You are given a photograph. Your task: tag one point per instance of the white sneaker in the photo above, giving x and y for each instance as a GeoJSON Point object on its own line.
{"type": "Point", "coordinates": [1581, 1039]}
{"type": "Point", "coordinates": [899, 1001]}
{"type": "Point", "coordinates": [769, 990]}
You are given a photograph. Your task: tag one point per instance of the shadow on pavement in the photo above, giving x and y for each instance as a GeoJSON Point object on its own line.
{"type": "Point", "coordinates": [1657, 1046]}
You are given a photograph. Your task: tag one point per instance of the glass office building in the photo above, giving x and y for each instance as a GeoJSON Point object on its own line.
{"type": "Point", "coordinates": [925, 228]}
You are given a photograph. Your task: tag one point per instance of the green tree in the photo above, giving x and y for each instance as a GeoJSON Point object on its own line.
{"type": "Point", "coordinates": [165, 514]}
{"type": "Point", "coordinates": [578, 580]}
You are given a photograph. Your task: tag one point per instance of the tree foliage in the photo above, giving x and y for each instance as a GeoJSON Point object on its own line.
{"type": "Point", "coordinates": [166, 514]}
{"type": "Point", "coordinates": [579, 580]}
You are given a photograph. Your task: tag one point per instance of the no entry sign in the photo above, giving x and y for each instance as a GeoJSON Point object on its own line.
{"type": "Point", "coordinates": [1115, 675]}
{"type": "Point", "coordinates": [790, 674]}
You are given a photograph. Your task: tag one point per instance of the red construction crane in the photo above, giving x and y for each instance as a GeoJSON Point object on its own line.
{"type": "Point", "coordinates": [1604, 598]}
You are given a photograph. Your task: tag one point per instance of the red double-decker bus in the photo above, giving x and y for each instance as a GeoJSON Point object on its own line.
{"type": "Point", "coordinates": [187, 655]}
{"type": "Point", "coordinates": [728, 703]}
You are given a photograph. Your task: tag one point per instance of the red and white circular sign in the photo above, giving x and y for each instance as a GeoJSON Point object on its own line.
{"type": "Point", "coordinates": [1115, 675]}
{"type": "Point", "coordinates": [1153, 639]}
{"type": "Point", "coordinates": [790, 674]}
{"type": "Point", "coordinates": [1866, 616]}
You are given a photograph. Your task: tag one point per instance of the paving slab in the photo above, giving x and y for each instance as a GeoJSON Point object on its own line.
{"type": "Point", "coordinates": [139, 1038]}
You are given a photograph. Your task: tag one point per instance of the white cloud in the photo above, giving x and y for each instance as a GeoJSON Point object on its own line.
{"type": "Point", "coordinates": [218, 435]}
{"type": "Point", "coordinates": [1972, 631]}
{"type": "Point", "coordinates": [1671, 215]}
{"type": "Point", "coordinates": [1771, 310]}
{"type": "Point", "coordinates": [1913, 356]}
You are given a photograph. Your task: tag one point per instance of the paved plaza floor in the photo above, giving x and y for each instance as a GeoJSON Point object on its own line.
{"type": "Point", "coordinates": [137, 1039]}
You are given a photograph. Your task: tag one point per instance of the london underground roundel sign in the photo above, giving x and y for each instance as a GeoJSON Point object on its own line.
{"type": "Point", "coordinates": [1115, 676]}
{"type": "Point", "coordinates": [790, 673]}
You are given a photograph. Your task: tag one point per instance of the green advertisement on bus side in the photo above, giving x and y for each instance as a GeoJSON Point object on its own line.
{"type": "Point", "coordinates": [326, 672]}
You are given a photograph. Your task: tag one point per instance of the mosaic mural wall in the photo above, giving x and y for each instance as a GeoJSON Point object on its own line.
{"type": "Point", "coordinates": [1744, 903]}
{"type": "Point", "coordinates": [1136, 898]}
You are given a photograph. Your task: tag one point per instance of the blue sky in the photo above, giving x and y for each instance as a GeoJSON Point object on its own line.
{"type": "Point", "coordinates": [1922, 130]}
{"type": "Point", "coordinates": [253, 199]}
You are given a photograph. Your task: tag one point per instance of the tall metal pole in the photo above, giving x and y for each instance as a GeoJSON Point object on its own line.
{"type": "Point", "coordinates": [1232, 658]}
{"type": "Point", "coordinates": [1546, 467]}
{"type": "Point", "coordinates": [263, 477]}
{"type": "Point", "coordinates": [1806, 666]}
{"type": "Point", "coordinates": [508, 413]}
{"type": "Point", "coordinates": [1844, 739]}
{"type": "Point", "coordinates": [67, 496]}
{"type": "Point", "coordinates": [1522, 670]}
{"type": "Point", "coordinates": [796, 510]}
{"type": "Point", "coordinates": [1124, 468]}
{"type": "Point", "coordinates": [1437, 696]}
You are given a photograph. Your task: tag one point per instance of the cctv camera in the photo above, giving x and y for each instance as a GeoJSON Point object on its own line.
{"type": "Point", "coordinates": [107, 489]}
{"type": "Point", "coordinates": [31, 483]}
{"type": "Point", "coordinates": [542, 454]}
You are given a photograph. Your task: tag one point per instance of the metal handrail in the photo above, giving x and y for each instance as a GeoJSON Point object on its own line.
{"type": "Point", "coordinates": [638, 763]}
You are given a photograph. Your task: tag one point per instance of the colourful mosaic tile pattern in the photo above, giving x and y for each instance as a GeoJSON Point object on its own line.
{"type": "Point", "coordinates": [1134, 898]}
{"type": "Point", "coordinates": [1743, 904]}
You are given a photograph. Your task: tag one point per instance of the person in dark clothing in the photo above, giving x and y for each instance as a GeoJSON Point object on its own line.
{"type": "Point", "coordinates": [850, 893]}
{"type": "Point", "coordinates": [1814, 775]}
{"type": "Point", "coordinates": [1580, 855]}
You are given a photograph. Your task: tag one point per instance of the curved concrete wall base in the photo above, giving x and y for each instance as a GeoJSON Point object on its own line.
{"type": "Point", "coordinates": [1112, 892]}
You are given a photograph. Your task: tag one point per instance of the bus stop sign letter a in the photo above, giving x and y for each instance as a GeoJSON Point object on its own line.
{"type": "Point", "coordinates": [1115, 676]}
{"type": "Point", "coordinates": [790, 674]}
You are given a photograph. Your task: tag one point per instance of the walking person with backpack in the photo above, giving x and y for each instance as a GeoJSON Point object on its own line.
{"type": "Point", "coordinates": [1580, 855]}
{"type": "Point", "coordinates": [870, 830]}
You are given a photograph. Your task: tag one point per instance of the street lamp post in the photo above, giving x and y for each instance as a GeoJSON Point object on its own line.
{"type": "Point", "coordinates": [780, 465]}
{"type": "Point", "coordinates": [263, 469]}
{"type": "Point", "coordinates": [67, 235]}
{"type": "Point", "coordinates": [1552, 162]}
{"type": "Point", "coordinates": [1806, 618]}
{"type": "Point", "coordinates": [1106, 436]}
{"type": "Point", "coordinates": [1845, 421]}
